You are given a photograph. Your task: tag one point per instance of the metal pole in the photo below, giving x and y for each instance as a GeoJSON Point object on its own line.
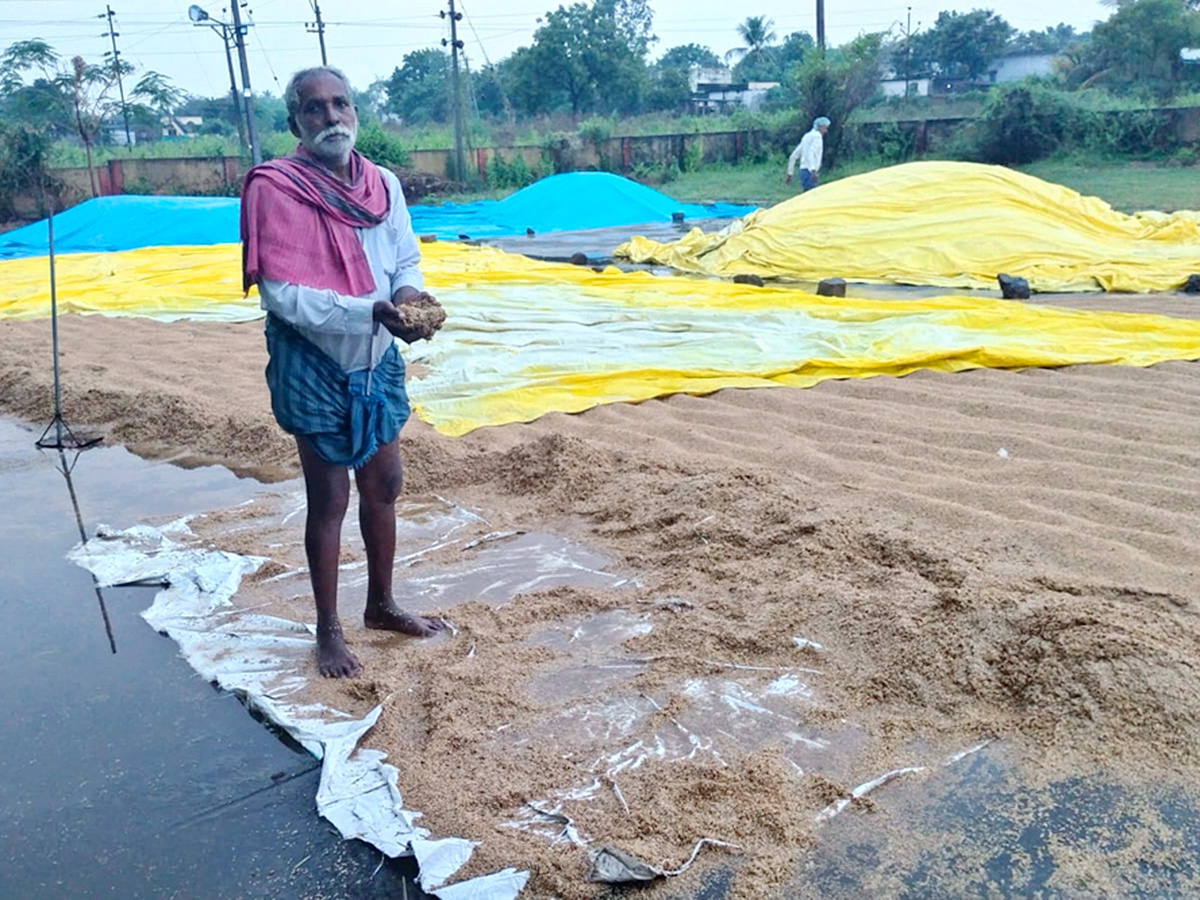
{"type": "Point", "coordinates": [239, 32]}
{"type": "Point", "coordinates": [58, 419]}
{"type": "Point", "coordinates": [821, 26]}
{"type": "Point", "coordinates": [455, 44]}
{"type": "Point", "coordinates": [116, 55]}
{"type": "Point", "coordinates": [908, 52]}
{"type": "Point", "coordinates": [233, 92]}
{"type": "Point", "coordinates": [319, 28]}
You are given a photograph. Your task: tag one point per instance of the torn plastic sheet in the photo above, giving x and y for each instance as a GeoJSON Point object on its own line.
{"type": "Point", "coordinates": [612, 865]}
{"type": "Point", "coordinates": [751, 708]}
{"type": "Point", "coordinates": [839, 805]}
{"type": "Point", "coordinates": [265, 659]}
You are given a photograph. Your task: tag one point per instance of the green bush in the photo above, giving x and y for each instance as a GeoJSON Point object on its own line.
{"type": "Point", "coordinates": [1022, 124]}
{"type": "Point", "coordinates": [24, 164]}
{"type": "Point", "coordinates": [381, 147]}
{"type": "Point", "coordinates": [595, 130]}
{"type": "Point", "coordinates": [139, 185]}
{"type": "Point", "coordinates": [515, 174]}
{"type": "Point", "coordinates": [1121, 133]}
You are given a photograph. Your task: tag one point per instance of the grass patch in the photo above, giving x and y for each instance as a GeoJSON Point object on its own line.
{"type": "Point", "coordinates": [1128, 186]}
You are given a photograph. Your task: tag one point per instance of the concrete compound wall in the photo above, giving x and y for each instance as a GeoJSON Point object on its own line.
{"type": "Point", "coordinates": [217, 175]}
{"type": "Point", "coordinates": [222, 175]}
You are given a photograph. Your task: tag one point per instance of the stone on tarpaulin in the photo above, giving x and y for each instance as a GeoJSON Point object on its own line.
{"type": "Point", "coordinates": [831, 287]}
{"type": "Point", "coordinates": [1013, 288]}
{"type": "Point", "coordinates": [748, 279]}
{"type": "Point", "coordinates": [1192, 285]}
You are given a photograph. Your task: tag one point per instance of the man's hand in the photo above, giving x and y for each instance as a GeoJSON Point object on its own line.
{"type": "Point", "coordinates": [416, 317]}
{"type": "Point", "coordinates": [787, 179]}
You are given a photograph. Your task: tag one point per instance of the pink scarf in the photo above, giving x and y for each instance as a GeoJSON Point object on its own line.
{"type": "Point", "coordinates": [298, 223]}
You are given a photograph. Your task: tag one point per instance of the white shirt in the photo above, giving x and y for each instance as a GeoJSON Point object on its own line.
{"type": "Point", "coordinates": [808, 152]}
{"type": "Point", "coordinates": [343, 326]}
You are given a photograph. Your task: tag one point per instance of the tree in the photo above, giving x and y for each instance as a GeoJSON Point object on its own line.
{"type": "Point", "coordinates": [78, 98]}
{"type": "Point", "coordinates": [23, 168]}
{"type": "Point", "coordinates": [1137, 48]}
{"type": "Point", "coordinates": [90, 89]}
{"type": "Point", "coordinates": [1051, 39]}
{"type": "Point", "coordinates": [157, 97]}
{"type": "Point", "coordinates": [756, 34]}
{"type": "Point", "coordinates": [634, 20]}
{"type": "Point", "coordinates": [960, 45]}
{"type": "Point", "coordinates": [687, 55]}
{"type": "Point", "coordinates": [795, 47]}
{"type": "Point", "coordinates": [670, 90]}
{"type": "Point", "coordinates": [490, 96]}
{"type": "Point", "coordinates": [419, 90]}
{"type": "Point", "coordinates": [836, 84]}
{"type": "Point", "coordinates": [41, 103]}
{"type": "Point", "coordinates": [581, 57]}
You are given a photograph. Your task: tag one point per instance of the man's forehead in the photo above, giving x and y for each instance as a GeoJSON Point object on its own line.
{"type": "Point", "coordinates": [321, 85]}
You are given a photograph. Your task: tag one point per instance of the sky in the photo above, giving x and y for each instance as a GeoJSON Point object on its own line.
{"type": "Point", "coordinates": [368, 38]}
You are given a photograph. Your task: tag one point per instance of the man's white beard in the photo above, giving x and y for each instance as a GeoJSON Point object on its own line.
{"type": "Point", "coordinates": [334, 144]}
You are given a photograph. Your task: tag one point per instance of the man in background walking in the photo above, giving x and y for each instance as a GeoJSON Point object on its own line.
{"type": "Point", "coordinates": [808, 153]}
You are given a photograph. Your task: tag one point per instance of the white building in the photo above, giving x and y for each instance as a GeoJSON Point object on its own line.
{"type": "Point", "coordinates": [1018, 67]}
{"type": "Point", "coordinates": [713, 90]}
{"type": "Point", "coordinates": [895, 87]}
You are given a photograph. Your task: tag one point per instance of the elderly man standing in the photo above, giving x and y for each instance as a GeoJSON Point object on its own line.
{"type": "Point", "coordinates": [808, 153]}
{"type": "Point", "coordinates": [327, 238]}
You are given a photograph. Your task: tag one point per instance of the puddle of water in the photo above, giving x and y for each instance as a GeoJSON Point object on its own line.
{"type": "Point", "coordinates": [445, 555]}
{"type": "Point", "coordinates": [979, 827]}
{"type": "Point", "coordinates": [122, 770]}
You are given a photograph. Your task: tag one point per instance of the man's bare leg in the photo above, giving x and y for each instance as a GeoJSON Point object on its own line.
{"type": "Point", "coordinates": [379, 483]}
{"type": "Point", "coordinates": [328, 490]}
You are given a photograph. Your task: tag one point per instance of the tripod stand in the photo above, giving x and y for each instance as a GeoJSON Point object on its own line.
{"type": "Point", "coordinates": [64, 437]}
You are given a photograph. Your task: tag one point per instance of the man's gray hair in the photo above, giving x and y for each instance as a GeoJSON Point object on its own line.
{"type": "Point", "coordinates": [291, 94]}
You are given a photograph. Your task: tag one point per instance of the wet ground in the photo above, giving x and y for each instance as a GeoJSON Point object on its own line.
{"type": "Point", "coordinates": [124, 773]}
{"type": "Point", "coordinates": [127, 775]}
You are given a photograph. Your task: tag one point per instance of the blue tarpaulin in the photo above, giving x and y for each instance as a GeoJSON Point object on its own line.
{"type": "Point", "coordinates": [559, 203]}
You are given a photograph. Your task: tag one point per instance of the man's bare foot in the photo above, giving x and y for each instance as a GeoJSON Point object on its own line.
{"type": "Point", "coordinates": [387, 616]}
{"type": "Point", "coordinates": [334, 658]}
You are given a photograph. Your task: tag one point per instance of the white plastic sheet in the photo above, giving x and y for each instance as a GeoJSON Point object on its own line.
{"type": "Point", "coordinates": [265, 659]}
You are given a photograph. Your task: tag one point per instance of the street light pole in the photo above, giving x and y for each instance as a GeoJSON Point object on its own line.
{"type": "Point", "coordinates": [239, 33]}
{"type": "Point", "coordinates": [821, 26]}
{"type": "Point", "coordinates": [200, 17]}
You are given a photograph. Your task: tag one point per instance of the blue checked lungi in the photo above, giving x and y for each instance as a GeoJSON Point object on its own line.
{"type": "Point", "coordinates": [314, 398]}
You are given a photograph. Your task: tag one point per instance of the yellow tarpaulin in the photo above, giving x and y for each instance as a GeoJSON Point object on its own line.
{"type": "Point", "coordinates": [524, 338]}
{"type": "Point", "coordinates": [947, 224]}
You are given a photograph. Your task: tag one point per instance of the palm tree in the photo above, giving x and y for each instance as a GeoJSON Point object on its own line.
{"type": "Point", "coordinates": [756, 33]}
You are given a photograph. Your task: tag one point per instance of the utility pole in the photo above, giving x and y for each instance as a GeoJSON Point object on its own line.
{"type": "Point", "coordinates": [233, 91]}
{"type": "Point", "coordinates": [456, 45]}
{"type": "Point", "coordinates": [318, 28]}
{"type": "Point", "coordinates": [908, 33]}
{"type": "Point", "coordinates": [821, 26]}
{"type": "Point", "coordinates": [908, 52]}
{"type": "Point", "coordinates": [239, 33]}
{"type": "Point", "coordinates": [116, 61]}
